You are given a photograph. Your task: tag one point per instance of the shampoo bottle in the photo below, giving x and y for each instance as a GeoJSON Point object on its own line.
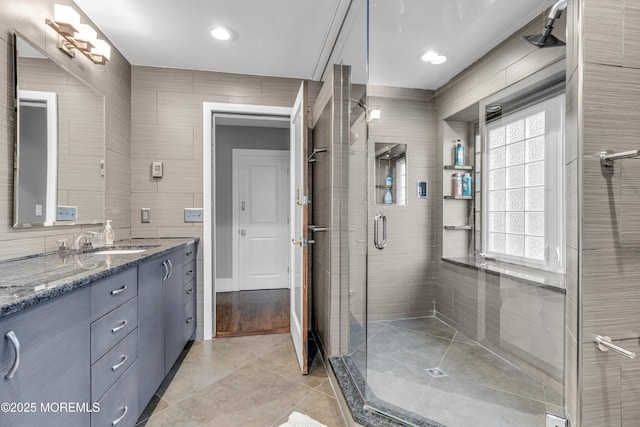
{"type": "Point", "coordinates": [466, 185]}
{"type": "Point", "coordinates": [109, 236]}
{"type": "Point", "coordinates": [459, 154]}
{"type": "Point", "coordinates": [388, 198]}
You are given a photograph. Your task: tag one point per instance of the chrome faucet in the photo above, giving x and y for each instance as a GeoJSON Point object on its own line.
{"type": "Point", "coordinates": [87, 235]}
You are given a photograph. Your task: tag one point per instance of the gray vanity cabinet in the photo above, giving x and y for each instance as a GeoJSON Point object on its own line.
{"type": "Point", "coordinates": [157, 346]}
{"type": "Point", "coordinates": [150, 328]}
{"type": "Point", "coordinates": [54, 360]}
{"type": "Point", "coordinates": [173, 309]}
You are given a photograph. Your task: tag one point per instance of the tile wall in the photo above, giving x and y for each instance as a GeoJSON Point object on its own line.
{"type": "Point", "coordinates": [606, 78]}
{"type": "Point", "coordinates": [326, 198]}
{"type": "Point", "coordinates": [400, 280]}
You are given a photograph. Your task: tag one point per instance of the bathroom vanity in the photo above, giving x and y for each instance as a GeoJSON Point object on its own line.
{"type": "Point", "coordinates": [88, 337]}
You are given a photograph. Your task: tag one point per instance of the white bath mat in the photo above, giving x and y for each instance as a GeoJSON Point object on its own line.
{"type": "Point", "coordinates": [296, 419]}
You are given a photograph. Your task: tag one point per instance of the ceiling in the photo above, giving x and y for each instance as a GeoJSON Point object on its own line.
{"type": "Point", "coordinates": [297, 38]}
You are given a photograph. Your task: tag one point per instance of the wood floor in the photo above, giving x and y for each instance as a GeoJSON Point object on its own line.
{"type": "Point", "coordinates": [252, 312]}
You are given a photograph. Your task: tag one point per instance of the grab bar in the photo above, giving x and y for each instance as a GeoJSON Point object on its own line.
{"type": "Point", "coordinates": [604, 344]}
{"type": "Point", "coordinates": [376, 240]}
{"type": "Point", "coordinates": [608, 157]}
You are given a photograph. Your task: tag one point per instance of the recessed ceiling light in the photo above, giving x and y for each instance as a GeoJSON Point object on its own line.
{"type": "Point", "coordinates": [434, 57]}
{"type": "Point", "coordinates": [221, 33]}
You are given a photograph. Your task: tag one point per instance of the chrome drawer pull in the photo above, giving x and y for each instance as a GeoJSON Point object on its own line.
{"type": "Point", "coordinates": [189, 273]}
{"type": "Point", "coordinates": [119, 291]}
{"type": "Point", "coordinates": [117, 365]}
{"type": "Point", "coordinates": [189, 253]}
{"type": "Point", "coordinates": [118, 328]}
{"type": "Point", "coordinates": [190, 291]}
{"type": "Point", "coordinates": [189, 320]}
{"type": "Point", "coordinates": [13, 339]}
{"type": "Point", "coordinates": [115, 422]}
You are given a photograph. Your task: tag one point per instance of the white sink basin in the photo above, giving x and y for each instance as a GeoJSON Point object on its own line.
{"type": "Point", "coordinates": [120, 251]}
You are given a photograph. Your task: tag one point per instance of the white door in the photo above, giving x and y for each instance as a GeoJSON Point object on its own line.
{"type": "Point", "coordinates": [299, 210]}
{"type": "Point", "coordinates": [260, 194]}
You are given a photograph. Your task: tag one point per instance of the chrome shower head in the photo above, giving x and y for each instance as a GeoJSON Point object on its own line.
{"type": "Point", "coordinates": [542, 41]}
{"type": "Point", "coordinates": [546, 39]}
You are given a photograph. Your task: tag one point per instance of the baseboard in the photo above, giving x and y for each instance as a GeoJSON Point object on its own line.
{"type": "Point", "coordinates": [224, 285]}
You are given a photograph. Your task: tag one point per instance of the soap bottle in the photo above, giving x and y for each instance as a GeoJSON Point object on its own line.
{"type": "Point", "coordinates": [456, 181]}
{"type": "Point", "coordinates": [388, 198]}
{"type": "Point", "coordinates": [108, 233]}
{"type": "Point", "coordinates": [389, 181]}
{"type": "Point", "coordinates": [459, 154]}
{"type": "Point", "coordinates": [466, 185]}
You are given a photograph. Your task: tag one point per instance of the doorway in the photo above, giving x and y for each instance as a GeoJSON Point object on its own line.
{"type": "Point", "coordinates": [215, 114]}
{"type": "Point", "coordinates": [251, 222]}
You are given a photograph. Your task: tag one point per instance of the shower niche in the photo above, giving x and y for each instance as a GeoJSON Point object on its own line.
{"type": "Point", "coordinates": [390, 173]}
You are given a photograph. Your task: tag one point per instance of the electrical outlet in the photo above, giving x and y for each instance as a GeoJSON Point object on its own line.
{"type": "Point", "coordinates": [145, 215]}
{"type": "Point", "coordinates": [66, 213]}
{"type": "Point", "coordinates": [192, 214]}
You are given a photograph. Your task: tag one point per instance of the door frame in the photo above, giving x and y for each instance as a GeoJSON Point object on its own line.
{"type": "Point", "coordinates": [236, 211]}
{"type": "Point", "coordinates": [209, 112]}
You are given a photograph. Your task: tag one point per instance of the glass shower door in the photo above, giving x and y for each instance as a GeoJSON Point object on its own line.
{"type": "Point", "coordinates": [453, 335]}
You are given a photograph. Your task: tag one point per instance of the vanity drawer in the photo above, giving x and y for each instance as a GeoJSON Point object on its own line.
{"type": "Point", "coordinates": [107, 370]}
{"type": "Point", "coordinates": [119, 406]}
{"type": "Point", "coordinates": [189, 291]}
{"type": "Point", "coordinates": [188, 254]}
{"type": "Point", "coordinates": [189, 319]}
{"type": "Point", "coordinates": [112, 328]}
{"type": "Point", "coordinates": [111, 292]}
{"type": "Point", "coordinates": [188, 272]}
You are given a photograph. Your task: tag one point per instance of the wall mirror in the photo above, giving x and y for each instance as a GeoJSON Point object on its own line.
{"type": "Point", "coordinates": [390, 173]}
{"type": "Point", "coordinates": [60, 143]}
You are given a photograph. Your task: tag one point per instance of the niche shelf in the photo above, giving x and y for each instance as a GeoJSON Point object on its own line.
{"type": "Point", "coordinates": [458, 227]}
{"type": "Point", "coordinates": [459, 167]}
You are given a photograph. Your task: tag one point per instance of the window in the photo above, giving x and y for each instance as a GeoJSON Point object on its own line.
{"type": "Point", "coordinates": [401, 179]}
{"type": "Point", "coordinates": [523, 206]}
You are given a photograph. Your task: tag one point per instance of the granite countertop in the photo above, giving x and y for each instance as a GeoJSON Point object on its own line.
{"type": "Point", "coordinates": [28, 281]}
{"type": "Point", "coordinates": [546, 279]}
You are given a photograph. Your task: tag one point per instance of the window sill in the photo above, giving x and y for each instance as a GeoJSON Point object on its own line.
{"type": "Point", "coordinates": [546, 279]}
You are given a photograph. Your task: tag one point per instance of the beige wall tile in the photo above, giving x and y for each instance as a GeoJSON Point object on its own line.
{"type": "Point", "coordinates": [155, 142]}
{"type": "Point", "coordinates": [601, 205]}
{"type": "Point", "coordinates": [181, 175]}
{"type": "Point", "coordinates": [601, 392]}
{"type": "Point", "coordinates": [602, 31]}
{"type": "Point", "coordinates": [221, 84]}
{"type": "Point", "coordinates": [610, 295]}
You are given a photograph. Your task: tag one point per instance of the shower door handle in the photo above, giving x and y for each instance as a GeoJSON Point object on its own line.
{"type": "Point", "coordinates": [376, 226]}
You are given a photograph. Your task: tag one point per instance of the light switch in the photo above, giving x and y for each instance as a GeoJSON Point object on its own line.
{"type": "Point", "coordinates": [145, 215]}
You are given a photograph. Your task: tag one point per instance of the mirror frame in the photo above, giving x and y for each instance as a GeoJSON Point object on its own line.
{"type": "Point", "coordinates": [16, 95]}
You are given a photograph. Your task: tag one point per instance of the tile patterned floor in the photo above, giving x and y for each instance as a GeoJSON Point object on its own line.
{"type": "Point", "coordinates": [242, 381]}
{"type": "Point", "coordinates": [479, 388]}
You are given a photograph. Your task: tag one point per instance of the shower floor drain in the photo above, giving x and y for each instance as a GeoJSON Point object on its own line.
{"type": "Point", "coordinates": [436, 372]}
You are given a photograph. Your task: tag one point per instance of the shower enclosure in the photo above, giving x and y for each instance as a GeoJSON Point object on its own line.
{"type": "Point", "coordinates": [452, 272]}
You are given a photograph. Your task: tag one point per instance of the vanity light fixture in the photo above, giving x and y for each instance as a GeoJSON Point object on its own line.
{"type": "Point", "coordinates": [74, 36]}
{"type": "Point", "coordinates": [434, 57]}
{"type": "Point", "coordinates": [221, 33]}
